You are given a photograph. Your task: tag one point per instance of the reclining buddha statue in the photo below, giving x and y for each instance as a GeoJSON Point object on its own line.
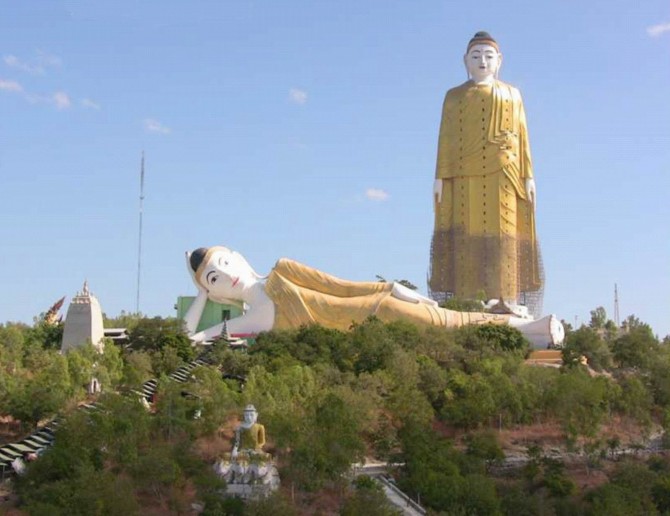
{"type": "Point", "coordinates": [294, 294]}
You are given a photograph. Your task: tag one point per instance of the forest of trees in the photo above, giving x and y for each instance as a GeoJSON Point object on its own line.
{"type": "Point", "coordinates": [434, 401]}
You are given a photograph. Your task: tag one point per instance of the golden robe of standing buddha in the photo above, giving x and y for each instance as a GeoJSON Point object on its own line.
{"type": "Point", "coordinates": [484, 239]}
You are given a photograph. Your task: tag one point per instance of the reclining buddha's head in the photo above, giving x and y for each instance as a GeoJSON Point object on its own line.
{"type": "Point", "coordinates": [225, 274]}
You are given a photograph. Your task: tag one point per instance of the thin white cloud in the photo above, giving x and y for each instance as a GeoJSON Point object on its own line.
{"type": "Point", "coordinates": [297, 96]}
{"type": "Point", "coordinates": [89, 104]}
{"type": "Point", "coordinates": [61, 100]}
{"type": "Point", "coordinates": [36, 66]}
{"type": "Point", "coordinates": [11, 86]}
{"type": "Point", "coordinates": [656, 30]}
{"type": "Point", "coordinates": [375, 194]}
{"type": "Point", "coordinates": [154, 126]}
{"type": "Point", "coordinates": [17, 64]}
{"type": "Point", "coordinates": [51, 60]}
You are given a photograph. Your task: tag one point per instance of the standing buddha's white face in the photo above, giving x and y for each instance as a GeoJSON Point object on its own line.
{"type": "Point", "coordinates": [482, 62]}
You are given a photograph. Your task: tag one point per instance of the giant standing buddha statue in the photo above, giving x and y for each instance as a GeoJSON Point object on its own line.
{"type": "Point", "coordinates": [484, 242]}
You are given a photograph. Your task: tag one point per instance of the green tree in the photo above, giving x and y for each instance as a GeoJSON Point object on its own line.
{"type": "Point", "coordinates": [587, 342]}
{"type": "Point", "coordinates": [405, 400]}
{"type": "Point", "coordinates": [275, 504]}
{"type": "Point", "coordinates": [484, 446]}
{"type": "Point", "coordinates": [369, 500]}
{"type": "Point", "coordinates": [406, 283]}
{"type": "Point", "coordinates": [634, 323]}
{"type": "Point", "coordinates": [70, 477]}
{"type": "Point", "coordinates": [283, 399]}
{"type": "Point", "coordinates": [156, 470]}
{"type": "Point", "coordinates": [555, 479]}
{"type": "Point", "coordinates": [157, 334]}
{"type": "Point", "coordinates": [137, 369]}
{"type": "Point", "coordinates": [48, 336]}
{"type": "Point", "coordinates": [97, 492]}
{"type": "Point", "coordinates": [638, 479]}
{"type": "Point", "coordinates": [636, 348]}
{"type": "Point", "coordinates": [110, 365]}
{"type": "Point", "coordinates": [615, 500]}
{"type": "Point", "coordinates": [432, 381]}
{"type": "Point", "coordinates": [373, 343]}
{"type": "Point", "coordinates": [660, 493]}
{"type": "Point", "coordinates": [463, 305]}
{"type": "Point", "coordinates": [502, 336]}
{"type": "Point", "coordinates": [328, 448]}
{"type": "Point", "coordinates": [432, 472]}
{"type": "Point", "coordinates": [580, 402]}
{"type": "Point", "coordinates": [634, 400]}
{"type": "Point", "coordinates": [478, 496]}
{"type": "Point", "coordinates": [216, 398]}
{"type": "Point", "coordinates": [127, 320]}
{"type": "Point", "coordinates": [12, 343]}
{"type": "Point", "coordinates": [470, 400]}
{"type": "Point", "coordinates": [174, 411]}
{"type": "Point", "coordinates": [598, 318]}
{"type": "Point", "coordinates": [514, 500]}
{"type": "Point", "coordinates": [44, 393]}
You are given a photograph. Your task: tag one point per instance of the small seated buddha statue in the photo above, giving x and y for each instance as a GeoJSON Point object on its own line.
{"type": "Point", "coordinates": [250, 435]}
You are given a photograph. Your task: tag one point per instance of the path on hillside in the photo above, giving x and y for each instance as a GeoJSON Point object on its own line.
{"type": "Point", "coordinates": [379, 472]}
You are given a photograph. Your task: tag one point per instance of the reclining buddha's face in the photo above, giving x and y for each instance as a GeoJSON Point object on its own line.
{"type": "Point", "coordinates": [225, 274]}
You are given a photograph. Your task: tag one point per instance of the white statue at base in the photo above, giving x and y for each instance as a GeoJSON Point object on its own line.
{"type": "Point", "coordinates": [294, 294]}
{"type": "Point", "coordinates": [248, 464]}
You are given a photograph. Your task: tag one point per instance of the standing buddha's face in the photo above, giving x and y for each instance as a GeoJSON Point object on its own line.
{"type": "Point", "coordinates": [482, 62]}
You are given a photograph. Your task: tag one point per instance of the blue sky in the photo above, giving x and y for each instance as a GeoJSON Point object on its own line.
{"type": "Point", "coordinates": [308, 129]}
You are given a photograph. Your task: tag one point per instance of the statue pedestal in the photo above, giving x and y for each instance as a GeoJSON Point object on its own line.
{"type": "Point", "coordinates": [249, 475]}
{"type": "Point", "coordinates": [255, 491]}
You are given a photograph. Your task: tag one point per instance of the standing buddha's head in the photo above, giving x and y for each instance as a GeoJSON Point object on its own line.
{"type": "Point", "coordinates": [482, 58]}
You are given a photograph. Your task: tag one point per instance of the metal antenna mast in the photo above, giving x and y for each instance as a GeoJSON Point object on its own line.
{"type": "Point", "coordinates": [139, 246]}
{"type": "Point", "coordinates": [617, 320]}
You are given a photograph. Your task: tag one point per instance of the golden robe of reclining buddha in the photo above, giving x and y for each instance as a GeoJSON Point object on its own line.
{"type": "Point", "coordinates": [303, 295]}
{"type": "Point", "coordinates": [484, 239]}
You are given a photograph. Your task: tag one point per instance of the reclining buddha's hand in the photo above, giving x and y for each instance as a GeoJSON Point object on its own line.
{"type": "Point", "coordinates": [407, 294]}
{"type": "Point", "coordinates": [199, 337]}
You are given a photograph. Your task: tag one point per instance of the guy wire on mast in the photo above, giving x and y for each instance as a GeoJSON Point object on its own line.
{"type": "Point", "coordinates": [139, 247]}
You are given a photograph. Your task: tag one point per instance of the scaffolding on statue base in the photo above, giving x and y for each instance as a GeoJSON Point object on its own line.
{"type": "Point", "coordinates": [533, 300]}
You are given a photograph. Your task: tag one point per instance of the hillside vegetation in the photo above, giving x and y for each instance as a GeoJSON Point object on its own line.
{"type": "Point", "coordinates": [445, 406]}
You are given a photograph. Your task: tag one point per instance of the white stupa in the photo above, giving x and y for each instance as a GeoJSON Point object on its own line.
{"type": "Point", "coordinates": [83, 322]}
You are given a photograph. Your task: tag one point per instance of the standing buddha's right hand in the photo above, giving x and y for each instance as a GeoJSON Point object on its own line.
{"type": "Point", "coordinates": [437, 191]}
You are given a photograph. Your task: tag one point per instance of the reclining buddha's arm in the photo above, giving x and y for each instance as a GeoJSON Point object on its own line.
{"type": "Point", "coordinates": [259, 317]}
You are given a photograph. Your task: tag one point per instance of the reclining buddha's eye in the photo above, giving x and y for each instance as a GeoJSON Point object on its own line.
{"type": "Point", "coordinates": [212, 277]}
